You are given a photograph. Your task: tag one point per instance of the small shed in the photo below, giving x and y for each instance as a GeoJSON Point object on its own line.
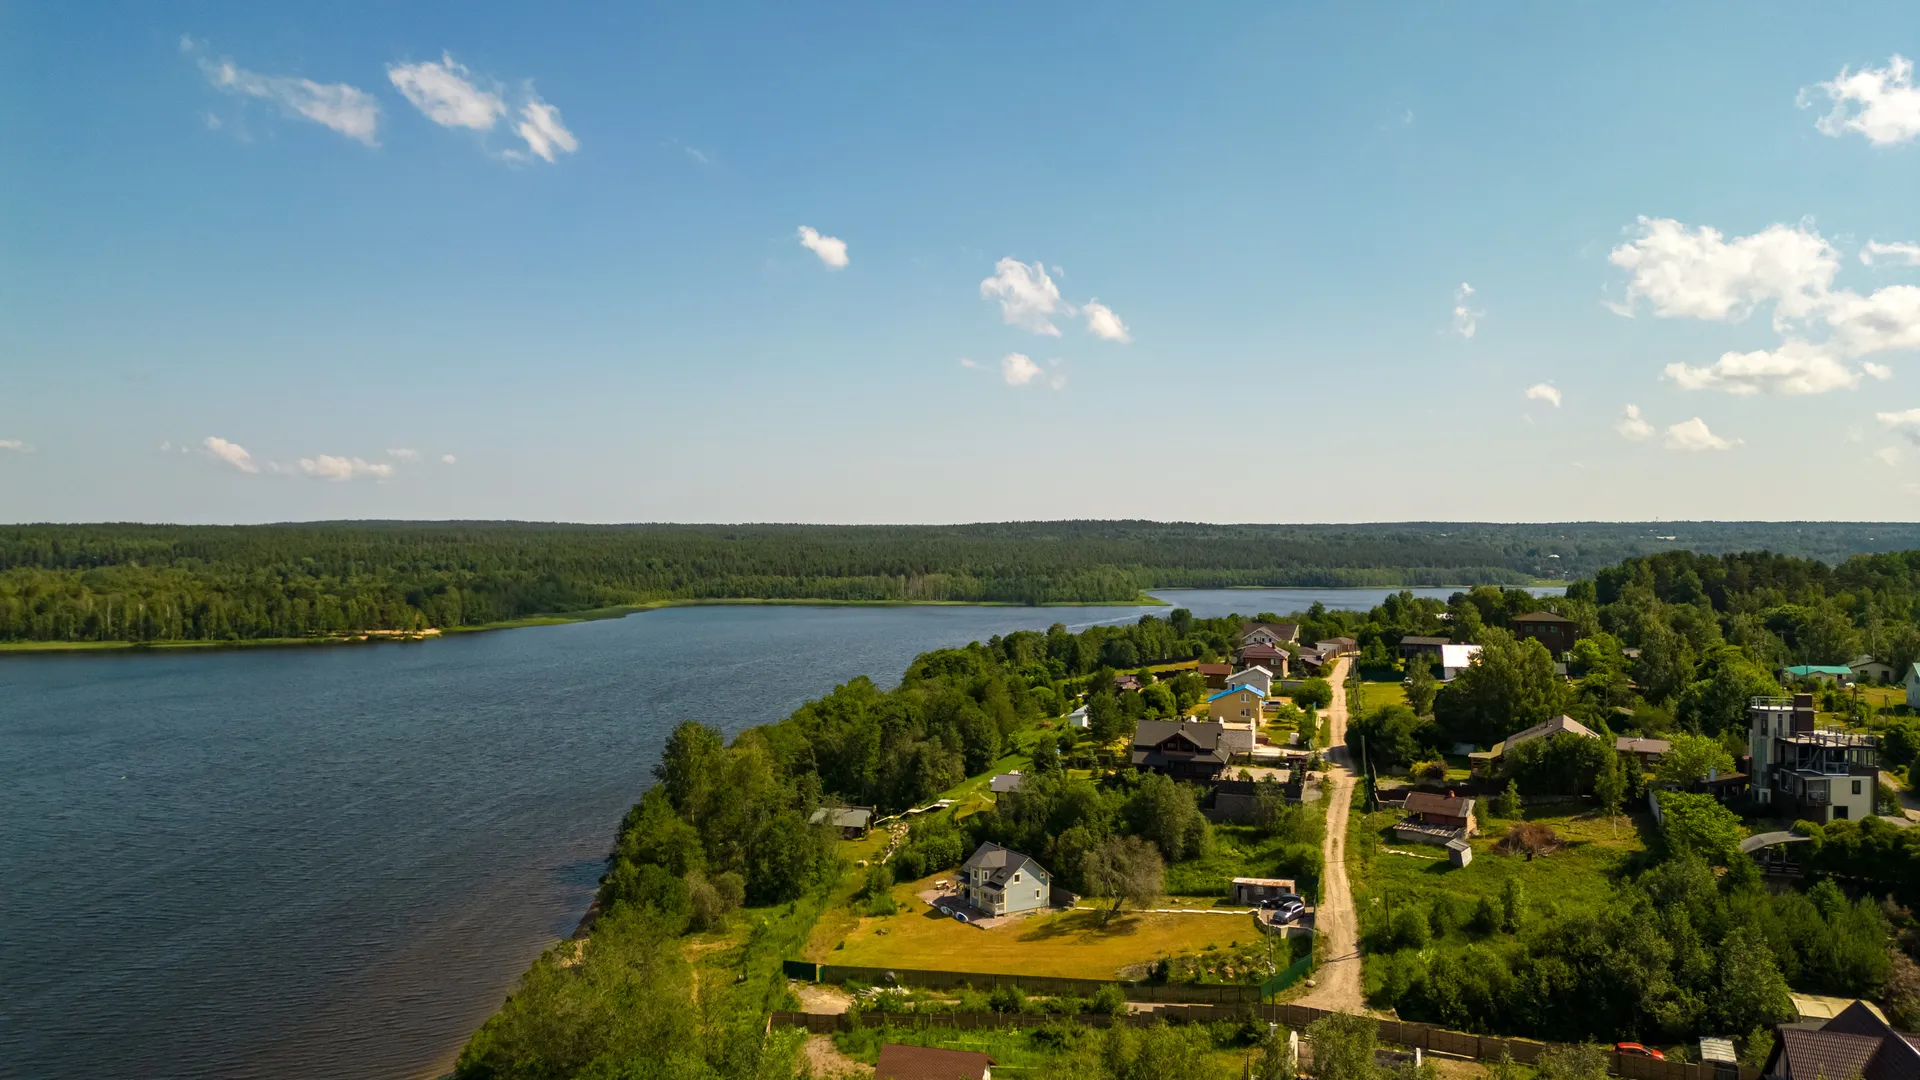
{"type": "Point", "coordinates": [1712, 1049]}
{"type": "Point", "coordinates": [1459, 852]}
{"type": "Point", "coordinates": [1252, 890]}
{"type": "Point", "coordinates": [852, 821]}
{"type": "Point", "coordinates": [1006, 782]}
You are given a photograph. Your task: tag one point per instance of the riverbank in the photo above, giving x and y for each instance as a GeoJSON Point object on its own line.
{"type": "Point", "coordinates": [555, 619]}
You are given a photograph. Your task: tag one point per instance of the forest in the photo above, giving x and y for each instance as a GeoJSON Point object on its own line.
{"type": "Point", "coordinates": [154, 583]}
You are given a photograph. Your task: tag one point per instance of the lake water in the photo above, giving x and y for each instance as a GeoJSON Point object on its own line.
{"type": "Point", "coordinates": [334, 862]}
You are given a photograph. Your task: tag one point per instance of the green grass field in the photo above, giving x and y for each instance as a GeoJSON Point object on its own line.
{"type": "Point", "coordinates": [1375, 694]}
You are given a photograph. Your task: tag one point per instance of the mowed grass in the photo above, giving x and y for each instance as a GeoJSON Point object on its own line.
{"type": "Point", "coordinates": [1375, 694]}
{"type": "Point", "coordinates": [1577, 877]}
{"type": "Point", "coordinates": [1065, 944]}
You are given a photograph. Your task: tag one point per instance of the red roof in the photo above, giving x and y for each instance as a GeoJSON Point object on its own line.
{"type": "Point", "coordinates": [900, 1062]}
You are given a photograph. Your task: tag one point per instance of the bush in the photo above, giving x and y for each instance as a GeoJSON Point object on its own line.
{"type": "Point", "coordinates": [1109, 1000]}
{"type": "Point", "coordinates": [1007, 999]}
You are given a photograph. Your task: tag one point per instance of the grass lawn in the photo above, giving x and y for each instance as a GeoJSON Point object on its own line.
{"type": "Point", "coordinates": [1067, 944]}
{"type": "Point", "coordinates": [1238, 851]}
{"type": "Point", "coordinates": [1015, 1053]}
{"type": "Point", "coordinates": [1375, 694]}
{"type": "Point", "coordinates": [1578, 876]}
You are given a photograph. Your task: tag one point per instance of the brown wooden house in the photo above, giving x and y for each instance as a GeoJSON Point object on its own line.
{"type": "Point", "coordinates": [1556, 632]}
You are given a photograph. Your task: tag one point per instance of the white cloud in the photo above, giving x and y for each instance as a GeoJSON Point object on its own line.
{"type": "Point", "coordinates": [1018, 369]}
{"type": "Point", "coordinates": [1889, 455]}
{"type": "Point", "coordinates": [1899, 251]}
{"type": "Point", "coordinates": [832, 250]}
{"type": "Point", "coordinates": [1693, 436]}
{"type": "Point", "coordinates": [447, 459]}
{"type": "Point", "coordinates": [1103, 323]}
{"type": "Point", "coordinates": [403, 454]}
{"type": "Point", "coordinates": [540, 126]}
{"type": "Point", "coordinates": [346, 109]}
{"type": "Point", "coordinates": [966, 363]}
{"type": "Point", "coordinates": [1544, 392]}
{"type": "Point", "coordinates": [1698, 274]}
{"type": "Point", "coordinates": [15, 446]}
{"type": "Point", "coordinates": [1028, 297]}
{"type": "Point", "coordinates": [213, 122]}
{"type": "Point", "coordinates": [1906, 424]}
{"type": "Point", "coordinates": [230, 452]}
{"type": "Point", "coordinates": [446, 94]}
{"type": "Point", "coordinates": [1632, 425]}
{"type": "Point", "coordinates": [1466, 321]}
{"type": "Point", "coordinates": [328, 467]}
{"type": "Point", "coordinates": [1880, 103]}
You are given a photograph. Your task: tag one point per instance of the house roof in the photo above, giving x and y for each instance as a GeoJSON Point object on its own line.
{"type": "Point", "coordinates": [1819, 669]}
{"type": "Point", "coordinates": [1856, 1042]}
{"type": "Point", "coordinates": [1417, 639]}
{"type": "Point", "coordinates": [1004, 862]}
{"type": "Point", "coordinates": [1005, 782]}
{"type": "Point", "coordinates": [1541, 617]}
{"type": "Point", "coordinates": [1280, 883]}
{"type": "Point", "coordinates": [1228, 691]}
{"type": "Point", "coordinates": [1251, 670]}
{"type": "Point", "coordinates": [842, 817]}
{"type": "Point", "coordinates": [1458, 655]}
{"type": "Point", "coordinates": [1831, 1055]}
{"type": "Point", "coordinates": [1561, 723]}
{"type": "Point", "coordinates": [1426, 802]}
{"type": "Point", "coordinates": [900, 1062]}
{"type": "Point", "coordinates": [1258, 649]}
{"type": "Point", "coordinates": [1286, 631]}
{"type": "Point", "coordinates": [1324, 642]}
{"type": "Point", "coordinates": [1630, 744]}
{"type": "Point", "coordinates": [1712, 1049]}
{"type": "Point", "coordinates": [1205, 735]}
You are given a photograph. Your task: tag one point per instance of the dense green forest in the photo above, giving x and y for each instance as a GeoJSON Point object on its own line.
{"type": "Point", "coordinates": [122, 582]}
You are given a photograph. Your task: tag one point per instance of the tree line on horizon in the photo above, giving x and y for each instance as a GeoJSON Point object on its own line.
{"type": "Point", "coordinates": [131, 582]}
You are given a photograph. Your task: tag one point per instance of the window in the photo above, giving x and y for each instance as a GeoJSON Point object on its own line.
{"type": "Point", "coordinates": [1839, 813]}
{"type": "Point", "coordinates": [1856, 787]}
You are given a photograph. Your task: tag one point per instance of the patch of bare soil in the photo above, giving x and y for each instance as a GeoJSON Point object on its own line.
{"type": "Point", "coordinates": [825, 1060]}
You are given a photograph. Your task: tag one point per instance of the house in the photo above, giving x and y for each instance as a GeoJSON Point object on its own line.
{"type": "Point", "coordinates": [901, 1062]}
{"type": "Point", "coordinates": [1838, 674]}
{"type": "Point", "coordinates": [1648, 751]}
{"type": "Point", "coordinates": [1806, 772]}
{"type": "Point", "coordinates": [1127, 682]}
{"type": "Point", "coordinates": [1252, 890]}
{"type": "Point", "coordinates": [852, 821]}
{"type": "Point", "coordinates": [1271, 657]}
{"type": "Point", "coordinates": [1556, 632]}
{"type": "Point", "coordinates": [1338, 646]}
{"type": "Point", "coordinates": [1002, 882]}
{"type": "Point", "coordinates": [1312, 661]}
{"type": "Point", "coordinates": [1258, 678]}
{"type": "Point", "coordinates": [1436, 819]}
{"type": "Point", "coordinates": [1237, 704]}
{"type": "Point", "coordinates": [1913, 686]}
{"type": "Point", "coordinates": [1184, 751]}
{"type": "Point", "coordinates": [1857, 1043]}
{"type": "Point", "coordinates": [1214, 674]}
{"type": "Point", "coordinates": [1258, 633]}
{"type": "Point", "coordinates": [1455, 659]}
{"type": "Point", "coordinates": [1006, 782]}
{"type": "Point", "coordinates": [1078, 718]}
{"type": "Point", "coordinates": [1483, 761]}
{"type": "Point", "coordinates": [1415, 645]}
{"type": "Point", "coordinates": [1869, 669]}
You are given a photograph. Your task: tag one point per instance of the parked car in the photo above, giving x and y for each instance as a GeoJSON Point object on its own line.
{"type": "Point", "coordinates": [1289, 910]}
{"type": "Point", "coordinates": [1630, 1049]}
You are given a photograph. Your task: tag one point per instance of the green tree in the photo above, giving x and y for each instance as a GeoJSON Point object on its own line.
{"type": "Point", "coordinates": [1315, 693]}
{"type": "Point", "coordinates": [1343, 1046]}
{"type": "Point", "coordinates": [1717, 701]}
{"type": "Point", "coordinates": [1512, 686]}
{"type": "Point", "coordinates": [1696, 825]}
{"type": "Point", "coordinates": [1513, 906]}
{"type": "Point", "coordinates": [1125, 868]}
{"type": "Point", "coordinates": [1610, 788]}
{"type": "Point", "coordinates": [1752, 992]}
{"type": "Point", "coordinates": [1690, 758]}
{"type": "Point", "coordinates": [1105, 721]}
{"type": "Point", "coordinates": [1579, 1061]}
{"type": "Point", "coordinates": [1394, 735]}
{"type": "Point", "coordinates": [1422, 687]}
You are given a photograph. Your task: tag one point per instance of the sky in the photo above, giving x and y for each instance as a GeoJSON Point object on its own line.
{"type": "Point", "coordinates": [944, 263]}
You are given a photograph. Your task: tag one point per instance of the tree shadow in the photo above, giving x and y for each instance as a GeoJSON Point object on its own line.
{"type": "Point", "coordinates": [1078, 923]}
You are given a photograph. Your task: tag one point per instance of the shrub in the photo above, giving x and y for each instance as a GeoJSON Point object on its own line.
{"type": "Point", "coordinates": [1007, 999]}
{"type": "Point", "coordinates": [1109, 1000]}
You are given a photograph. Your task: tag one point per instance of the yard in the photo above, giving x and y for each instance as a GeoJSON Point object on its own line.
{"type": "Point", "coordinates": [1066, 944]}
{"type": "Point", "coordinates": [1375, 694]}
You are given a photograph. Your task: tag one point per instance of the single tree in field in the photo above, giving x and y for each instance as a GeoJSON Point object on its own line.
{"type": "Point", "coordinates": [1610, 788]}
{"type": "Point", "coordinates": [1421, 686]}
{"type": "Point", "coordinates": [1126, 868]}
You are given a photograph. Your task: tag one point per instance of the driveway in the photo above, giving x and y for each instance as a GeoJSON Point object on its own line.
{"type": "Point", "coordinates": [1337, 983]}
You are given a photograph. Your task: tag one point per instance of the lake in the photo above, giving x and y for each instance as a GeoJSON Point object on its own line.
{"type": "Point", "coordinates": [335, 861]}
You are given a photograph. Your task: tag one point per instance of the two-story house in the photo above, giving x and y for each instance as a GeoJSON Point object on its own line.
{"type": "Point", "coordinates": [1259, 633]}
{"type": "Point", "coordinates": [1556, 632]}
{"type": "Point", "coordinates": [1806, 772]}
{"type": "Point", "coordinates": [1183, 751]}
{"type": "Point", "coordinates": [999, 881]}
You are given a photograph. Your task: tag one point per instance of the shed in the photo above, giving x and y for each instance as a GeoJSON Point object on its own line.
{"type": "Point", "coordinates": [852, 821]}
{"type": "Point", "coordinates": [1252, 890]}
{"type": "Point", "coordinates": [900, 1062]}
{"type": "Point", "coordinates": [1459, 852]}
{"type": "Point", "coordinates": [1006, 782]}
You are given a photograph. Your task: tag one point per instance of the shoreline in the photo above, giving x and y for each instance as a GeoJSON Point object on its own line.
{"type": "Point", "coordinates": [376, 637]}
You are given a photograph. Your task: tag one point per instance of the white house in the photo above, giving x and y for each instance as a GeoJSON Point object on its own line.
{"type": "Point", "coordinates": [1078, 719]}
{"type": "Point", "coordinates": [1868, 669]}
{"type": "Point", "coordinates": [1913, 686]}
{"type": "Point", "coordinates": [1455, 659]}
{"type": "Point", "coordinates": [1257, 677]}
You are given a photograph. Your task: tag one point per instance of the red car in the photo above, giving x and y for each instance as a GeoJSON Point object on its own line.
{"type": "Point", "coordinates": [1637, 1050]}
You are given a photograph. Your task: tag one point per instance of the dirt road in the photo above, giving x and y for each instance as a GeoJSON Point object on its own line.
{"type": "Point", "coordinates": [1338, 979]}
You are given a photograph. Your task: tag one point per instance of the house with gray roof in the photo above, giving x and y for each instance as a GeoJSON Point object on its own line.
{"type": "Point", "coordinates": [1857, 1044]}
{"type": "Point", "coordinates": [1184, 751]}
{"type": "Point", "coordinates": [1000, 881]}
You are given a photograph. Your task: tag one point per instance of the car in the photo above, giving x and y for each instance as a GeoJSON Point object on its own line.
{"type": "Point", "coordinates": [1289, 911]}
{"type": "Point", "coordinates": [1633, 1049]}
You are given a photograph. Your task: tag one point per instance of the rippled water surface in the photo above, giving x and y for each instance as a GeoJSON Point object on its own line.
{"type": "Point", "coordinates": [334, 862]}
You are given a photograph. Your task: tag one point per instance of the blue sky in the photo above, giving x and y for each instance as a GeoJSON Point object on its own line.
{"type": "Point", "coordinates": [1202, 263]}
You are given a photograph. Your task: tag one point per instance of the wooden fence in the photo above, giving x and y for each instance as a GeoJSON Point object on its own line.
{"type": "Point", "coordinates": [1424, 1037]}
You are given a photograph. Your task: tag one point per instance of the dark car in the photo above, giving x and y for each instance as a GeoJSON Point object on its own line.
{"type": "Point", "coordinates": [1632, 1049]}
